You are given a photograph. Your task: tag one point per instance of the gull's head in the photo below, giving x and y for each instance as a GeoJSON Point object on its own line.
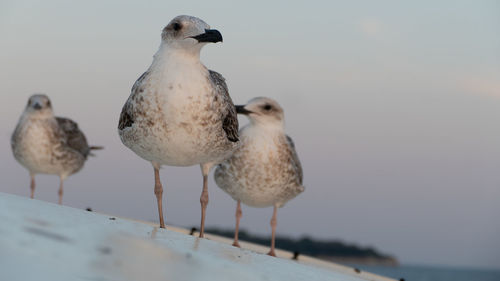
{"type": "Point", "coordinates": [39, 105]}
{"type": "Point", "coordinates": [189, 33]}
{"type": "Point", "coordinates": [263, 111]}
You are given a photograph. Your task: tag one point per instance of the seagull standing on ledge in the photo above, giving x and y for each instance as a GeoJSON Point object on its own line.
{"type": "Point", "coordinates": [265, 170]}
{"type": "Point", "coordinates": [179, 112]}
{"type": "Point", "coordinates": [45, 144]}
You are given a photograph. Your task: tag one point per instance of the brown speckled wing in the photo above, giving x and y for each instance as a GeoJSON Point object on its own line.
{"type": "Point", "coordinates": [295, 158]}
{"type": "Point", "coordinates": [230, 119]}
{"type": "Point", "coordinates": [127, 116]}
{"type": "Point", "coordinates": [74, 138]}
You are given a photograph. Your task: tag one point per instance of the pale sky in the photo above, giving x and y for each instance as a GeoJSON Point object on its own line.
{"type": "Point", "coordinates": [394, 108]}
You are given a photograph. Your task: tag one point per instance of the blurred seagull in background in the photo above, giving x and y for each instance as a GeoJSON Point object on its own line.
{"type": "Point", "coordinates": [179, 112]}
{"type": "Point", "coordinates": [45, 144]}
{"type": "Point", "coordinates": [265, 170]}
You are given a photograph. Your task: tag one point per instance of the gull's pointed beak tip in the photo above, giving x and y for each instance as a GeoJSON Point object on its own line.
{"type": "Point", "coordinates": [240, 109]}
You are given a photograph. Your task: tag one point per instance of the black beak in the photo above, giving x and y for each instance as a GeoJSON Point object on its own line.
{"type": "Point", "coordinates": [240, 109]}
{"type": "Point", "coordinates": [210, 35]}
{"type": "Point", "coordinates": [37, 106]}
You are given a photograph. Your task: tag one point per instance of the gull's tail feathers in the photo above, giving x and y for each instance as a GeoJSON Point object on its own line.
{"type": "Point", "coordinates": [95, 147]}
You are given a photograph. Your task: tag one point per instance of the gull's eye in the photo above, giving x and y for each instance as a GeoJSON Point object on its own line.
{"type": "Point", "coordinates": [267, 107]}
{"type": "Point", "coordinates": [177, 26]}
{"type": "Point", "coordinates": [49, 104]}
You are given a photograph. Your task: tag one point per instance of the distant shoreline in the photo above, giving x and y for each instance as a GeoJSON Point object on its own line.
{"type": "Point", "coordinates": [329, 250]}
{"type": "Point", "coordinates": [370, 261]}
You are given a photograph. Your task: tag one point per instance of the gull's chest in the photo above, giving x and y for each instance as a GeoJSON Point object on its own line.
{"type": "Point", "coordinates": [258, 173]}
{"type": "Point", "coordinates": [175, 116]}
{"type": "Point", "coordinates": [261, 159]}
{"type": "Point", "coordinates": [34, 142]}
{"type": "Point", "coordinates": [34, 135]}
{"type": "Point", "coordinates": [181, 93]}
{"type": "Point", "coordinates": [258, 147]}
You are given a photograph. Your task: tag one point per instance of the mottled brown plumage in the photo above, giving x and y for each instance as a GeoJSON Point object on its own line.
{"type": "Point", "coordinates": [73, 137]}
{"type": "Point", "coordinates": [265, 170]}
{"type": "Point", "coordinates": [295, 159]}
{"type": "Point", "coordinates": [179, 113]}
{"type": "Point", "coordinates": [127, 114]}
{"type": "Point", "coordinates": [230, 123]}
{"type": "Point", "coordinates": [45, 144]}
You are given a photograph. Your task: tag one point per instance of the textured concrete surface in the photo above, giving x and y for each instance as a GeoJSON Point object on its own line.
{"type": "Point", "coordinates": [44, 241]}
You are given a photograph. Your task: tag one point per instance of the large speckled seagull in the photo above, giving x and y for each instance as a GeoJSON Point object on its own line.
{"type": "Point", "coordinates": [179, 112]}
{"type": "Point", "coordinates": [265, 170]}
{"type": "Point", "coordinates": [45, 144]}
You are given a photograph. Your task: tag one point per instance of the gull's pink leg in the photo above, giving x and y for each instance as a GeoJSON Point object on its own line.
{"type": "Point", "coordinates": [274, 222]}
{"type": "Point", "coordinates": [61, 180]}
{"type": "Point", "coordinates": [205, 169]}
{"type": "Point", "coordinates": [159, 196]}
{"type": "Point", "coordinates": [32, 186]}
{"type": "Point", "coordinates": [239, 213]}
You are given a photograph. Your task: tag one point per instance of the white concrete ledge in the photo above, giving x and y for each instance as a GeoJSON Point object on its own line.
{"type": "Point", "coordinates": [44, 241]}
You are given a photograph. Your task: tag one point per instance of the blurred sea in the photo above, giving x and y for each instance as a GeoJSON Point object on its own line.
{"type": "Point", "coordinates": [431, 273]}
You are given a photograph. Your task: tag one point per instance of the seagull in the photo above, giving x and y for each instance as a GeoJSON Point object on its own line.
{"type": "Point", "coordinates": [265, 170]}
{"type": "Point", "coordinates": [45, 144]}
{"type": "Point", "coordinates": [179, 113]}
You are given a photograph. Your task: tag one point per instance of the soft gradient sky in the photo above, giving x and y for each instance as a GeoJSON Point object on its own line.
{"type": "Point", "coordinates": [394, 107]}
